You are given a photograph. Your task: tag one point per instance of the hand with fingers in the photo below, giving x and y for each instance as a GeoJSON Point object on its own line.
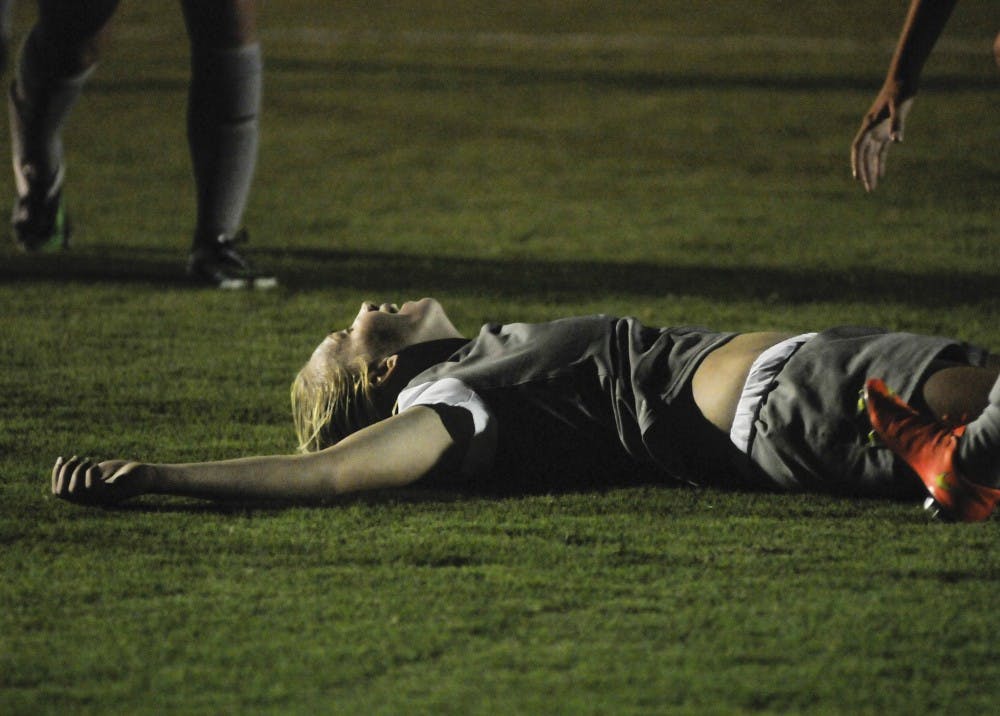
{"type": "Point", "coordinates": [85, 481]}
{"type": "Point", "coordinates": [882, 126]}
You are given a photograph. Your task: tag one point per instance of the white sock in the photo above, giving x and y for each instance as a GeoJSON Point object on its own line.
{"type": "Point", "coordinates": [223, 106]}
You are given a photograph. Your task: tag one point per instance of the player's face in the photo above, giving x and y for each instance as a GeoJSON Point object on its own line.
{"type": "Point", "coordinates": [382, 330]}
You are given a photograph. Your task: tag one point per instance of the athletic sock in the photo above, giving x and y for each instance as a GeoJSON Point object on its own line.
{"type": "Point", "coordinates": [41, 103]}
{"type": "Point", "coordinates": [223, 106]}
{"type": "Point", "coordinates": [979, 447]}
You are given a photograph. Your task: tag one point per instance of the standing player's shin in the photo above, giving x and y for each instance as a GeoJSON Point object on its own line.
{"type": "Point", "coordinates": [223, 108]}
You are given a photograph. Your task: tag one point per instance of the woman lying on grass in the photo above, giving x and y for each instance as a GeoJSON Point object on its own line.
{"type": "Point", "coordinates": [401, 397]}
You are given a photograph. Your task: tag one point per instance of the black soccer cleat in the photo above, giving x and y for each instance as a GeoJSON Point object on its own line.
{"type": "Point", "coordinates": [39, 221]}
{"type": "Point", "coordinates": [215, 262]}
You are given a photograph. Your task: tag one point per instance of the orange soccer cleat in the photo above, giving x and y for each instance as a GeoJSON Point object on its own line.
{"type": "Point", "coordinates": [928, 447]}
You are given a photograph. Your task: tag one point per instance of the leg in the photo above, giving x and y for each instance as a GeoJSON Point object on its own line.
{"type": "Point", "coordinates": [960, 467]}
{"type": "Point", "coordinates": [971, 397]}
{"type": "Point", "coordinates": [57, 57]}
{"type": "Point", "coordinates": [223, 108]}
{"type": "Point", "coordinates": [956, 393]}
{"type": "Point", "coordinates": [5, 7]}
{"type": "Point", "coordinates": [979, 447]}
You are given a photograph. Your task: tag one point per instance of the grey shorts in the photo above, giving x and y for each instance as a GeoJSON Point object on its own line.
{"type": "Point", "coordinates": [809, 434]}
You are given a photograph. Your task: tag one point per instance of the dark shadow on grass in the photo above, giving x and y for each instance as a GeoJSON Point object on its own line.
{"type": "Point", "coordinates": [393, 274]}
{"type": "Point", "coordinates": [574, 280]}
{"type": "Point", "coordinates": [426, 76]}
{"type": "Point", "coordinates": [146, 86]}
{"type": "Point", "coordinates": [99, 264]}
{"type": "Point", "coordinates": [430, 76]}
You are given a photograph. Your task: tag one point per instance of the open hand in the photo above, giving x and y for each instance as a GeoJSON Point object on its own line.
{"type": "Point", "coordinates": [84, 481]}
{"type": "Point", "coordinates": [882, 126]}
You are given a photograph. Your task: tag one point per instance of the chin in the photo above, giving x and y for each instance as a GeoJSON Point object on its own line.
{"type": "Point", "coordinates": [421, 306]}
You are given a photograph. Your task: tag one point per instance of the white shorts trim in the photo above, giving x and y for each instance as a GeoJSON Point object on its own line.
{"type": "Point", "coordinates": [763, 371]}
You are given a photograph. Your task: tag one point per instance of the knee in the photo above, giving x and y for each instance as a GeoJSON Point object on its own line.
{"type": "Point", "coordinates": [58, 56]}
{"type": "Point", "coordinates": [220, 25]}
{"type": "Point", "coordinates": [72, 37]}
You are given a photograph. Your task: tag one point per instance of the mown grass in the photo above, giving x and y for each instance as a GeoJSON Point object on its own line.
{"type": "Point", "coordinates": [520, 162]}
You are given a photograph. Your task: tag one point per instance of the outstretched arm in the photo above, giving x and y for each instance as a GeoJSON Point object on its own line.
{"type": "Point", "coordinates": [391, 453]}
{"type": "Point", "coordinates": [883, 123]}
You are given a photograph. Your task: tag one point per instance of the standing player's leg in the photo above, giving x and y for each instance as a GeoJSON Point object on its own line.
{"type": "Point", "coordinates": [58, 55]}
{"type": "Point", "coordinates": [223, 108]}
{"type": "Point", "coordinates": [5, 8]}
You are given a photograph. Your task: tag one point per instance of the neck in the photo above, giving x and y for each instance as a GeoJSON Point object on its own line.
{"type": "Point", "coordinates": [429, 353]}
{"type": "Point", "coordinates": [414, 360]}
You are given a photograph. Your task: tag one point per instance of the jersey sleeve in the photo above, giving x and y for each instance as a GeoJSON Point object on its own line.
{"type": "Point", "coordinates": [452, 392]}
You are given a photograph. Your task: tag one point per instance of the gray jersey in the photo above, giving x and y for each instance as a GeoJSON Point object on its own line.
{"type": "Point", "coordinates": [573, 402]}
{"type": "Point", "coordinates": [598, 401]}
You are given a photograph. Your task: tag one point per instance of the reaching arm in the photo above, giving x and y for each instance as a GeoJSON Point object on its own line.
{"type": "Point", "coordinates": [924, 23]}
{"type": "Point", "coordinates": [391, 453]}
{"type": "Point", "coordinates": [884, 121]}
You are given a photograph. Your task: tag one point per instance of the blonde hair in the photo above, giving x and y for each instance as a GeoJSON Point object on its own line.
{"type": "Point", "coordinates": [331, 401]}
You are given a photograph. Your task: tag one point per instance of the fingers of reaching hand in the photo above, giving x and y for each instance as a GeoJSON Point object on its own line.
{"type": "Point", "coordinates": [870, 148]}
{"type": "Point", "coordinates": [880, 162]}
{"type": "Point", "coordinates": [869, 153]}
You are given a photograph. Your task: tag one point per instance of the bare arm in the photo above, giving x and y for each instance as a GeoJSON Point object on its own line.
{"type": "Point", "coordinates": [391, 453]}
{"type": "Point", "coordinates": [883, 123]}
{"type": "Point", "coordinates": [924, 23]}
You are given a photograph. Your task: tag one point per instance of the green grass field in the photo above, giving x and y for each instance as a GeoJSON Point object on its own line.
{"type": "Point", "coordinates": [685, 163]}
